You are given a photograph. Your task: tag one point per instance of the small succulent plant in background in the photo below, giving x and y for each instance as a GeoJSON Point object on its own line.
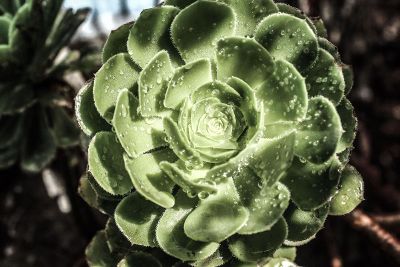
{"type": "Point", "coordinates": [221, 134]}
{"type": "Point", "coordinates": [33, 94]}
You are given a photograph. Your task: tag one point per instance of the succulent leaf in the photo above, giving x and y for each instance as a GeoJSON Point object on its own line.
{"type": "Point", "coordinates": [138, 258]}
{"type": "Point", "coordinates": [98, 253]}
{"type": "Point", "coordinates": [116, 42]}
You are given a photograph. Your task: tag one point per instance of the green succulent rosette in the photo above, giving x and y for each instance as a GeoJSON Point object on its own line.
{"type": "Point", "coordinates": [34, 120]}
{"type": "Point", "coordinates": [220, 132]}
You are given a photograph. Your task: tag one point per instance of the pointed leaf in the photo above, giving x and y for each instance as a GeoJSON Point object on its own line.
{"type": "Point", "coordinates": [196, 40]}
{"type": "Point", "coordinates": [252, 248]}
{"type": "Point", "coordinates": [243, 58]}
{"type": "Point", "coordinates": [151, 34]}
{"type": "Point", "coordinates": [148, 178]}
{"type": "Point", "coordinates": [116, 42]}
{"type": "Point", "coordinates": [289, 38]}
{"type": "Point", "coordinates": [137, 219]}
{"type": "Point", "coordinates": [118, 73]}
{"type": "Point", "coordinates": [171, 236]}
{"type": "Point", "coordinates": [318, 135]}
{"type": "Point", "coordinates": [186, 79]}
{"type": "Point", "coordinates": [304, 225]}
{"type": "Point", "coordinates": [350, 193]}
{"type": "Point", "coordinates": [153, 83]}
{"type": "Point", "coordinates": [136, 134]}
{"type": "Point", "coordinates": [107, 165]}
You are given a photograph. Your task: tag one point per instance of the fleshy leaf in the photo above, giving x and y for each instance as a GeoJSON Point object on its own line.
{"type": "Point", "coordinates": [171, 236]}
{"type": "Point", "coordinates": [286, 252]}
{"type": "Point", "coordinates": [139, 258]}
{"type": "Point", "coordinates": [118, 73]}
{"type": "Point", "coordinates": [137, 219]}
{"type": "Point", "coordinates": [186, 79]}
{"type": "Point", "coordinates": [196, 40]}
{"type": "Point", "coordinates": [250, 13]}
{"type": "Point", "coordinates": [116, 42]}
{"type": "Point", "coordinates": [149, 180]}
{"type": "Point", "coordinates": [350, 193]}
{"type": "Point", "coordinates": [116, 240]}
{"type": "Point", "coordinates": [318, 135]}
{"type": "Point", "coordinates": [107, 165]}
{"type": "Point", "coordinates": [265, 204]}
{"type": "Point", "coordinates": [320, 27]}
{"type": "Point", "coordinates": [280, 262]}
{"type": "Point", "coordinates": [136, 134]}
{"type": "Point", "coordinates": [348, 78]}
{"type": "Point", "coordinates": [98, 253]}
{"type": "Point", "coordinates": [179, 3]}
{"type": "Point", "coordinates": [283, 94]}
{"type": "Point", "coordinates": [325, 78]}
{"type": "Point", "coordinates": [219, 258]}
{"type": "Point", "coordinates": [290, 38]}
{"type": "Point", "coordinates": [190, 180]}
{"type": "Point", "coordinates": [310, 185]}
{"type": "Point", "coordinates": [288, 9]}
{"type": "Point", "coordinates": [218, 216]}
{"type": "Point", "coordinates": [304, 225]}
{"type": "Point", "coordinates": [86, 113]}
{"type": "Point", "coordinates": [65, 130]}
{"type": "Point", "coordinates": [252, 248]}
{"type": "Point", "coordinates": [349, 124]}
{"type": "Point", "coordinates": [153, 83]}
{"type": "Point", "coordinates": [243, 58]}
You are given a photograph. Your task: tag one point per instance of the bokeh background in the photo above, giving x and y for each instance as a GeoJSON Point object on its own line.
{"type": "Point", "coordinates": [43, 222]}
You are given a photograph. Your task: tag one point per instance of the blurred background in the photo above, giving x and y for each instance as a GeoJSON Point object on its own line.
{"type": "Point", "coordinates": [43, 222]}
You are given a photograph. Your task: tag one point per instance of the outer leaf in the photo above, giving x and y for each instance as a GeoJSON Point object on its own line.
{"type": "Point", "coordinates": [283, 94]}
{"type": "Point", "coordinates": [319, 134]}
{"type": "Point", "coordinates": [280, 263]}
{"type": "Point", "coordinates": [98, 254]}
{"type": "Point", "coordinates": [137, 219]}
{"type": "Point", "coordinates": [118, 73]}
{"type": "Point", "coordinates": [180, 3]}
{"type": "Point", "coordinates": [136, 134]}
{"type": "Point", "coordinates": [15, 98]}
{"type": "Point", "coordinates": [252, 248]}
{"type": "Point", "coordinates": [218, 216]}
{"type": "Point", "coordinates": [348, 78]}
{"type": "Point", "coordinates": [150, 34]}
{"type": "Point", "coordinates": [116, 240]}
{"type": "Point", "coordinates": [243, 58]}
{"type": "Point", "coordinates": [290, 38]}
{"type": "Point", "coordinates": [86, 113]}
{"type": "Point", "coordinates": [106, 164]}
{"type": "Point", "coordinates": [304, 225]}
{"type": "Point", "coordinates": [350, 193]}
{"type": "Point", "coordinates": [349, 123]}
{"type": "Point", "coordinates": [138, 258]}
{"type": "Point", "coordinates": [286, 253]}
{"type": "Point", "coordinates": [149, 180]}
{"type": "Point", "coordinates": [65, 130]}
{"type": "Point", "coordinates": [196, 40]}
{"type": "Point", "coordinates": [116, 42]}
{"type": "Point", "coordinates": [310, 185]}
{"type": "Point", "coordinates": [171, 237]}
{"type": "Point", "coordinates": [288, 9]}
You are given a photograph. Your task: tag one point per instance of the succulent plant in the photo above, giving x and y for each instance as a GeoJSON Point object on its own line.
{"type": "Point", "coordinates": [221, 134]}
{"type": "Point", "coordinates": [33, 118]}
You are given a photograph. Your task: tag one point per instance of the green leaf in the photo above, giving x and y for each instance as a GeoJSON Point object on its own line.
{"type": "Point", "coordinates": [219, 258]}
{"type": "Point", "coordinates": [98, 254]}
{"type": "Point", "coordinates": [196, 40]}
{"type": "Point", "coordinates": [285, 252]}
{"type": "Point", "coordinates": [348, 75]}
{"type": "Point", "coordinates": [243, 58]}
{"type": "Point", "coordinates": [116, 240]}
{"type": "Point", "coordinates": [107, 165]}
{"type": "Point", "coordinates": [320, 27]}
{"type": "Point", "coordinates": [153, 83]}
{"type": "Point", "coordinates": [171, 236]}
{"type": "Point", "coordinates": [250, 13]}
{"type": "Point", "coordinates": [319, 133]}
{"type": "Point", "coordinates": [265, 204]}
{"type": "Point", "coordinates": [350, 193]}
{"type": "Point", "coordinates": [5, 23]}
{"type": "Point", "coordinates": [290, 10]}
{"type": "Point", "coordinates": [289, 38]}
{"type": "Point", "coordinates": [310, 185]}
{"type": "Point", "coordinates": [190, 180]}
{"type": "Point", "coordinates": [139, 258]}
{"type": "Point", "coordinates": [279, 262]}
{"type": "Point", "coordinates": [283, 94]}
{"type": "Point", "coordinates": [349, 123]}
{"type": "Point", "coordinates": [15, 98]}
{"type": "Point", "coordinates": [304, 225]}
{"type": "Point", "coordinates": [137, 219]}
{"type": "Point", "coordinates": [150, 34]}
{"type": "Point", "coordinates": [218, 216]}
{"type": "Point", "coordinates": [252, 248]}
{"type": "Point", "coordinates": [87, 115]}
{"type": "Point", "coordinates": [39, 146]}
{"type": "Point", "coordinates": [136, 134]}
{"type": "Point", "coordinates": [65, 130]}
{"type": "Point", "coordinates": [116, 42]}
{"type": "Point", "coordinates": [186, 79]}
{"type": "Point", "coordinates": [148, 178]}
{"type": "Point", "coordinates": [179, 3]}
{"type": "Point", "coordinates": [325, 78]}
{"type": "Point", "coordinates": [11, 129]}
{"type": "Point", "coordinates": [118, 73]}
{"type": "Point", "coordinates": [330, 48]}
